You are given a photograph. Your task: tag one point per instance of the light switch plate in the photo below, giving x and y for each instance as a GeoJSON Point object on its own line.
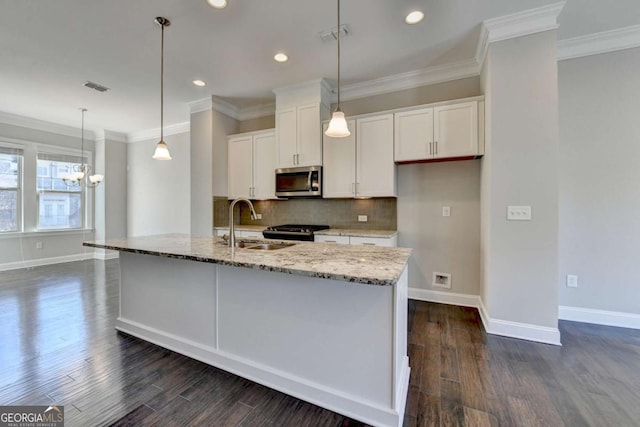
{"type": "Point", "coordinates": [362, 218]}
{"type": "Point", "coordinates": [446, 211]}
{"type": "Point", "coordinates": [258, 216]}
{"type": "Point", "coordinates": [519, 213]}
{"type": "Point", "coordinates": [572, 281]}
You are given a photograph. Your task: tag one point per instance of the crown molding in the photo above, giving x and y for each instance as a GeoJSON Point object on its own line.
{"type": "Point", "coordinates": [483, 45]}
{"type": "Point", "coordinates": [200, 105]}
{"type": "Point", "coordinates": [145, 135]}
{"type": "Point", "coordinates": [596, 43]}
{"type": "Point", "coordinates": [103, 134]}
{"type": "Point", "coordinates": [257, 111]}
{"type": "Point", "coordinates": [225, 107]}
{"type": "Point", "coordinates": [523, 23]}
{"type": "Point", "coordinates": [411, 79]}
{"type": "Point", "coordinates": [44, 126]}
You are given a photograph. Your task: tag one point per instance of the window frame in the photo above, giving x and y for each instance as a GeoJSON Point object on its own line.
{"type": "Point", "coordinates": [19, 188]}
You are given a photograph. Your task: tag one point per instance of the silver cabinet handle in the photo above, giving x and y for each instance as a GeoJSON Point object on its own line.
{"type": "Point", "coordinates": [330, 241]}
{"type": "Point", "coordinates": [368, 244]}
{"type": "Point", "coordinates": [436, 145]}
{"type": "Point", "coordinates": [294, 159]}
{"type": "Point", "coordinates": [430, 148]}
{"type": "Point", "coordinates": [297, 159]}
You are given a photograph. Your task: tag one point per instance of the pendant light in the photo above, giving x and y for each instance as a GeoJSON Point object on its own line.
{"type": "Point", "coordinates": [81, 175]}
{"type": "Point", "coordinates": [338, 125]}
{"type": "Point", "coordinates": [162, 151]}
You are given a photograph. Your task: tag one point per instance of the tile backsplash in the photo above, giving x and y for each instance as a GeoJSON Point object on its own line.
{"type": "Point", "coordinates": [338, 213]}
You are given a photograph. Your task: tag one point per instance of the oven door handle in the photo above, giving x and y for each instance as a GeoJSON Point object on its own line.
{"type": "Point", "coordinates": [309, 181]}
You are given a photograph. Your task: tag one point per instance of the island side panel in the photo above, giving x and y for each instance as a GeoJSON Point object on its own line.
{"type": "Point", "coordinates": [401, 359]}
{"type": "Point", "coordinates": [167, 296]}
{"type": "Point", "coordinates": [335, 335]}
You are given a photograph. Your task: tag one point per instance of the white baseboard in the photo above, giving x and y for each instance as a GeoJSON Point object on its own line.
{"type": "Point", "coordinates": [106, 255]}
{"type": "Point", "coordinates": [442, 297]}
{"type": "Point", "coordinates": [523, 331]}
{"type": "Point", "coordinates": [599, 317]}
{"type": "Point", "coordinates": [45, 261]}
{"type": "Point", "coordinates": [29, 263]}
{"type": "Point", "coordinates": [505, 328]}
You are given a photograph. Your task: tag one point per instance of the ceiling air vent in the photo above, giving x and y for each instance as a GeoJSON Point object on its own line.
{"type": "Point", "coordinates": [96, 86]}
{"type": "Point", "coordinates": [332, 34]}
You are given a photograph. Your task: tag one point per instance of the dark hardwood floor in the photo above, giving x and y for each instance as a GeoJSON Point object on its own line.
{"type": "Point", "coordinates": [58, 346]}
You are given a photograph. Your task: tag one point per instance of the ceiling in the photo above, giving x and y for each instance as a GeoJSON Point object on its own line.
{"type": "Point", "coordinates": [49, 48]}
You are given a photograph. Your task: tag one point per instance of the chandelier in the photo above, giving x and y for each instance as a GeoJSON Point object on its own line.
{"type": "Point", "coordinates": [81, 175]}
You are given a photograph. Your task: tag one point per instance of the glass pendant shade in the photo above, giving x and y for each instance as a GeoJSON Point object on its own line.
{"type": "Point", "coordinates": [96, 179]}
{"type": "Point", "coordinates": [337, 126]}
{"type": "Point", "coordinates": [162, 152]}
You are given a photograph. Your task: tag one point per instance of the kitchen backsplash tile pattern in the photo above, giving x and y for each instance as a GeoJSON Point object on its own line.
{"type": "Point", "coordinates": [338, 213]}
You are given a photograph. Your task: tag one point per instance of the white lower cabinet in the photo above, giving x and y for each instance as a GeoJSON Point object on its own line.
{"type": "Point", "coordinates": [251, 165]}
{"type": "Point", "coordinates": [356, 240]}
{"type": "Point", "coordinates": [343, 240]}
{"type": "Point", "coordinates": [249, 234]}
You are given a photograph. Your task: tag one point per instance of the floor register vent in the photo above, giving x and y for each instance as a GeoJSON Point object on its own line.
{"type": "Point", "coordinates": [441, 280]}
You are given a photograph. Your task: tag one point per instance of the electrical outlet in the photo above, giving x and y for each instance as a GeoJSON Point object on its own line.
{"type": "Point", "coordinates": [519, 213]}
{"type": "Point", "coordinates": [38, 245]}
{"type": "Point", "coordinates": [441, 280]}
{"type": "Point", "coordinates": [258, 216]}
{"type": "Point", "coordinates": [446, 211]}
{"type": "Point", "coordinates": [572, 281]}
{"type": "Point", "coordinates": [362, 218]}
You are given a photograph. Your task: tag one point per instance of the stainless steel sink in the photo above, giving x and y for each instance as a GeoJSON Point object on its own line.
{"type": "Point", "coordinates": [270, 246]}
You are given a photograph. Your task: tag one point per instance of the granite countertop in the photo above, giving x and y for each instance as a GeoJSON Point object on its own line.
{"type": "Point", "coordinates": [356, 232]}
{"type": "Point", "coordinates": [372, 265]}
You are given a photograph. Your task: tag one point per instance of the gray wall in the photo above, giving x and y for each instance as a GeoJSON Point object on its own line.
{"type": "Point", "coordinates": [259, 123]}
{"type": "Point", "coordinates": [201, 172]}
{"type": "Point", "coordinates": [600, 181]}
{"type": "Point", "coordinates": [22, 247]}
{"type": "Point", "coordinates": [158, 191]}
{"type": "Point", "coordinates": [521, 257]}
{"type": "Point", "coordinates": [424, 188]}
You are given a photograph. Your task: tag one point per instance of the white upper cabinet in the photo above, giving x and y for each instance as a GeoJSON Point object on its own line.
{"type": "Point", "coordinates": [251, 167]}
{"type": "Point", "coordinates": [413, 134]}
{"type": "Point", "coordinates": [456, 130]}
{"type": "Point", "coordinates": [361, 165]}
{"type": "Point", "coordinates": [375, 169]}
{"type": "Point", "coordinates": [299, 141]}
{"type": "Point", "coordinates": [440, 132]}
{"type": "Point", "coordinates": [339, 169]}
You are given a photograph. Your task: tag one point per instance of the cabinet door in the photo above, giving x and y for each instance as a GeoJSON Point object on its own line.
{"type": "Point", "coordinates": [286, 138]}
{"type": "Point", "coordinates": [342, 240]}
{"type": "Point", "coordinates": [309, 136]}
{"type": "Point", "coordinates": [456, 130]}
{"type": "Point", "coordinates": [264, 165]}
{"type": "Point", "coordinates": [413, 135]}
{"type": "Point", "coordinates": [240, 166]}
{"type": "Point", "coordinates": [339, 169]}
{"type": "Point", "coordinates": [375, 169]}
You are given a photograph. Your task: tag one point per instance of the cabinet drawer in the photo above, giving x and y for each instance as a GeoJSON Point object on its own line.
{"type": "Point", "coordinates": [374, 241]}
{"type": "Point", "coordinates": [250, 234]}
{"type": "Point", "coordinates": [343, 240]}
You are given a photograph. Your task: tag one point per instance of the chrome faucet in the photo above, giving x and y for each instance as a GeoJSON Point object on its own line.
{"type": "Point", "coordinates": [232, 231]}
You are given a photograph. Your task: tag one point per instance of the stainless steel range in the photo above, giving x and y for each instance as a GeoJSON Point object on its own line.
{"type": "Point", "coordinates": [293, 231]}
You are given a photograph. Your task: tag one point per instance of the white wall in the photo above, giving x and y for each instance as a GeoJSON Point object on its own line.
{"type": "Point", "coordinates": [158, 192]}
{"type": "Point", "coordinates": [521, 257]}
{"type": "Point", "coordinates": [600, 181]}
{"type": "Point", "coordinates": [443, 244]}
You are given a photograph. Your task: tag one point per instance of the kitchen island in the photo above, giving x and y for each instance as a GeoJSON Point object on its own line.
{"type": "Point", "coordinates": [322, 322]}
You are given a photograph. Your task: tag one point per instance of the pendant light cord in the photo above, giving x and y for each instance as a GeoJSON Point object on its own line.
{"type": "Point", "coordinates": [338, 106]}
{"type": "Point", "coordinates": [162, 83]}
{"type": "Point", "coordinates": [82, 143]}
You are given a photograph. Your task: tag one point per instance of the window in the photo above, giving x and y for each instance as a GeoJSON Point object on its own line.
{"type": "Point", "coordinates": [59, 206]}
{"type": "Point", "coordinates": [10, 194]}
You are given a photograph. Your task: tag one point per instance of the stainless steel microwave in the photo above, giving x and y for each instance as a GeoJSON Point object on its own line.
{"type": "Point", "coordinates": [299, 182]}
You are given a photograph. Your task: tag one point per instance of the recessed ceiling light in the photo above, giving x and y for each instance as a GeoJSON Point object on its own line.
{"type": "Point", "coordinates": [218, 4]}
{"type": "Point", "coordinates": [414, 17]}
{"type": "Point", "coordinates": [199, 83]}
{"type": "Point", "coordinates": [281, 57]}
